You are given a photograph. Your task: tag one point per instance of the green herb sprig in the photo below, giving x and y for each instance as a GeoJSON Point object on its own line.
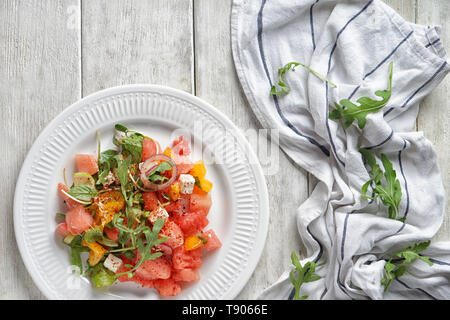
{"type": "Point", "coordinates": [390, 192]}
{"type": "Point", "coordinates": [284, 89]}
{"type": "Point", "coordinates": [145, 248]}
{"type": "Point", "coordinates": [396, 265]}
{"type": "Point", "coordinates": [302, 274]}
{"type": "Point", "coordinates": [349, 112]}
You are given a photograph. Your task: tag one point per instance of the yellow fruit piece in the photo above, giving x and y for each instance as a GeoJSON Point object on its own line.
{"type": "Point", "coordinates": [204, 184]}
{"type": "Point", "coordinates": [192, 243]}
{"type": "Point", "coordinates": [168, 152]}
{"type": "Point", "coordinates": [174, 191]}
{"type": "Point", "coordinates": [96, 253]}
{"type": "Point", "coordinates": [109, 203]}
{"type": "Point", "coordinates": [199, 169]}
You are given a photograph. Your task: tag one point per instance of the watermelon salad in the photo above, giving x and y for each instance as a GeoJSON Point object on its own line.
{"type": "Point", "coordinates": [140, 211]}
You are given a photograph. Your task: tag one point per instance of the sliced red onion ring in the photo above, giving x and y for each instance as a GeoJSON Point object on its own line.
{"type": "Point", "coordinates": [148, 165]}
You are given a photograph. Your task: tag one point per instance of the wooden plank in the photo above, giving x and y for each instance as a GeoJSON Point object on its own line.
{"type": "Point", "coordinates": [434, 115]}
{"type": "Point", "coordinates": [217, 83]}
{"type": "Point", "coordinates": [405, 8]}
{"type": "Point", "coordinates": [136, 41]}
{"type": "Point", "coordinates": [40, 76]}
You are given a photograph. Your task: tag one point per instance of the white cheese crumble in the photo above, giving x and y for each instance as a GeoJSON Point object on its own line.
{"type": "Point", "coordinates": [112, 263]}
{"type": "Point", "coordinates": [187, 183]}
{"type": "Point", "coordinates": [158, 213]}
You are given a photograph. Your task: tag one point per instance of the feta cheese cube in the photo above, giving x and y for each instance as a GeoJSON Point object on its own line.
{"type": "Point", "coordinates": [187, 183]}
{"type": "Point", "coordinates": [112, 263]}
{"type": "Point", "coordinates": [159, 212]}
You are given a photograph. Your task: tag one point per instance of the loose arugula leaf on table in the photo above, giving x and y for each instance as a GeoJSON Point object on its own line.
{"type": "Point", "coordinates": [390, 192]}
{"type": "Point", "coordinates": [349, 112]}
{"type": "Point", "coordinates": [284, 89]}
{"type": "Point", "coordinates": [396, 267]}
{"type": "Point", "coordinates": [83, 193]}
{"type": "Point", "coordinates": [304, 274]}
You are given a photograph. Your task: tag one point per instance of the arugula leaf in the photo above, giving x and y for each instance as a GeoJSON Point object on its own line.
{"type": "Point", "coordinates": [155, 176]}
{"type": "Point", "coordinates": [122, 174]}
{"type": "Point", "coordinates": [132, 146]}
{"type": "Point", "coordinates": [83, 193]}
{"type": "Point", "coordinates": [395, 268]}
{"type": "Point", "coordinates": [389, 193]}
{"type": "Point", "coordinates": [107, 162]}
{"type": "Point", "coordinates": [120, 127]}
{"type": "Point", "coordinates": [304, 274]}
{"type": "Point", "coordinates": [102, 277]}
{"type": "Point", "coordinates": [284, 89]}
{"type": "Point", "coordinates": [349, 112]}
{"type": "Point", "coordinates": [151, 237]}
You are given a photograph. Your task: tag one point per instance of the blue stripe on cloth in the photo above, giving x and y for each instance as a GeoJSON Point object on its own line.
{"type": "Point", "coordinates": [404, 178]}
{"type": "Point", "coordinates": [420, 88]}
{"type": "Point", "coordinates": [418, 289]}
{"type": "Point", "coordinates": [381, 143]}
{"type": "Point", "coordinates": [277, 105]}
{"type": "Point", "coordinates": [442, 263]}
{"type": "Point", "coordinates": [388, 56]}
{"type": "Point", "coordinates": [311, 22]}
{"type": "Point", "coordinates": [319, 255]}
{"type": "Point", "coordinates": [432, 43]}
{"type": "Point", "coordinates": [329, 68]}
{"type": "Point", "coordinates": [344, 235]}
{"type": "Point", "coordinates": [381, 63]}
{"type": "Point", "coordinates": [406, 186]}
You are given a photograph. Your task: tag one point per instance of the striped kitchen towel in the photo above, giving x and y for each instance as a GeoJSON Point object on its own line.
{"type": "Point", "coordinates": [353, 44]}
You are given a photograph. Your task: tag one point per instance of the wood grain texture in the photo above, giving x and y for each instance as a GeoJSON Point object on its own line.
{"type": "Point", "coordinates": [136, 41]}
{"type": "Point", "coordinates": [434, 114]}
{"type": "Point", "coordinates": [217, 83]}
{"type": "Point", "coordinates": [39, 77]}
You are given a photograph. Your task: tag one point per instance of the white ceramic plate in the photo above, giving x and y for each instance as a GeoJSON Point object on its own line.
{"type": "Point", "coordinates": [239, 213]}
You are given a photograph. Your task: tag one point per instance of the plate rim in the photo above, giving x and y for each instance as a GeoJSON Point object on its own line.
{"type": "Point", "coordinates": [263, 213]}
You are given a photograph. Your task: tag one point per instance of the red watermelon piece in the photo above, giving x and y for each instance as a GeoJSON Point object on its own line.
{"type": "Point", "coordinates": [180, 146]}
{"type": "Point", "coordinates": [150, 201]}
{"type": "Point", "coordinates": [78, 220]}
{"type": "Point", "coordinates": [174, 234]}
{"type": "Point", "coordinates": [184, 164]}
{"type": "Point", "coordinates": [213, 241]}
{"type": "Point", "coordinates": [167, 287]}
{"type": "Point", "coordinates": [149, 148]}
{"type": "Point", "coordinates": [159, 268]}
{"type": "Point", "coordinates": [185, 275]}
{"type": "Point", "coordinates": [86, 163]}
{"type": "Point", "coordinates": [192, 222]}
{"type": "Point", "coordinates": [200, 202]}
{"type": "Point", "coordinates": [69, 202]}
{"type": "Point", "coordinates": [61, 229]}
{"type": "Point", "coordinates": [112, 233]}
{"type": "Point", "coordinates": [182, 259]}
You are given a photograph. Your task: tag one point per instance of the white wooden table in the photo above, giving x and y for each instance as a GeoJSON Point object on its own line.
{"type": "Point", "coordinates": [52, 53]}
